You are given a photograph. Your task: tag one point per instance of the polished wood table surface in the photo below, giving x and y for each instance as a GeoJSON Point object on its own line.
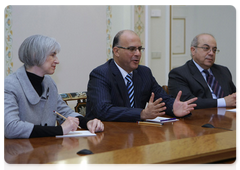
{"type": "Point", "coordinates": [184, 141]}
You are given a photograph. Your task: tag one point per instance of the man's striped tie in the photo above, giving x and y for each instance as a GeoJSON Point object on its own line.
{"type": "Point", "coordinates": [130, 89]}
{"type": "Point", "coordinates": [213, 83]}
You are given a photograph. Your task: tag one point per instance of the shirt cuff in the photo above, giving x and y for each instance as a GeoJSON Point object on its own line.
{"type": "Point", "coordinates": [221, 102]}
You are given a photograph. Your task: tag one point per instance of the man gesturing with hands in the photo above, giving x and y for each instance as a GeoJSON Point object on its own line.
{"type": "Point", "coordinates": [120, 89]}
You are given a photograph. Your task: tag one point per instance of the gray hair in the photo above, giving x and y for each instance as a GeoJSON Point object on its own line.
{"type": "Point", "coordinates": [194, 42]}
{"type": "Point", "coordinates": [35, 49]}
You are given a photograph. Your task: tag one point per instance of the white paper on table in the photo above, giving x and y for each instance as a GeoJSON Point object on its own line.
{"type": "Point", "coordinates": [81, 133]}
{"type": "Point", "coordinates": [162, 119]}
{"type": "Point", "coordinates": [232, 110]}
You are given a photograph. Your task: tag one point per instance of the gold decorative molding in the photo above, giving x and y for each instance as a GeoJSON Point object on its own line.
{"type": "Point", "coordinates": [139, 26]}
{"type": "Point", "coordinates": [108, 31]}
{"type": "Point", "coordinates": [8, 41]}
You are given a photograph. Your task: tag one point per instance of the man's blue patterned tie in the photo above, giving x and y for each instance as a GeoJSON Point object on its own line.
{"type": "Point", "coordinates": [130, 89]}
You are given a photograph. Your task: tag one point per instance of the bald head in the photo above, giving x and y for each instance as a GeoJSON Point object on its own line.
{"type": "Point", "coordinates": [117, 39]}
{"type": "Point", "coordinates": [195, 40]}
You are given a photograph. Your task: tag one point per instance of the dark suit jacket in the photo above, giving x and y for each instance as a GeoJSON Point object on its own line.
{"type": "Point", "coordinates": [107, 97]}
{"type": "Point", "coordinates": [189, 79]}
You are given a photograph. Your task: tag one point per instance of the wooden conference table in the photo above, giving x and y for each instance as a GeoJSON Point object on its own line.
{"type": "Point", "coordinates": [184, 141]}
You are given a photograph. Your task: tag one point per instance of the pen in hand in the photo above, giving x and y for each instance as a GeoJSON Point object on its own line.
{"type": "Point", "coordinates": [63, 117]}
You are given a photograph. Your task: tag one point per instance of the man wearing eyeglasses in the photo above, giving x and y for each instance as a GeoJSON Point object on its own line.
{"type": "Point", "coordinates": [119, 89]}
{"type": "Point", "coordinates": [201, 78]}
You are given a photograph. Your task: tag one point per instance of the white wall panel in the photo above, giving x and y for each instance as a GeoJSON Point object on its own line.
{"type": "Point", "coordinates": [81, 31]}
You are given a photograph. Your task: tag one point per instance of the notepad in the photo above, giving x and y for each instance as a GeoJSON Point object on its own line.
{"type": "Point", "coordinates": [232, 110]}
{"type": "Point", "coordinates": [81, 133]}
{"type": "Point", "coordinates": [162, 119]}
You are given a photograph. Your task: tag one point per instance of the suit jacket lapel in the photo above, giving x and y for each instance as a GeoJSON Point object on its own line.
{"type": "Point", "coordinates": [119, 82]}
{"type": "Point", "coordinates": [199, 78]}
{"type": "Point", "coordinates": [27, 87]}
{"type": "Point", "coordinates": [137, 81]}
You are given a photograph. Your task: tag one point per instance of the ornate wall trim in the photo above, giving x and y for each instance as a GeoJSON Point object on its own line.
{"type": "Point", "coordinates": [8, 64]}
{"type": "Point", "coordinates": [139, 26]}
{"type": "Point", "coordinates": [108, 32]}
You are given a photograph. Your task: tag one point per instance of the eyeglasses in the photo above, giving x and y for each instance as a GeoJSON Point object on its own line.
{"type": "Point", "coordinates": [208, 49]}
{"type": "Point", "coordinates": [132, 48]}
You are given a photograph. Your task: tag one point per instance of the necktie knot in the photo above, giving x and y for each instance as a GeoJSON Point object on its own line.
{"type": "Point", "coordinates": [129, 77]}
{"type": "Point", "coordinates": [206, 72]}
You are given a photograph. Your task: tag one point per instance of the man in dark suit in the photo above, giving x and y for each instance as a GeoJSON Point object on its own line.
{"type": "Point", "coordinates": [108, 97]}
{"type": "Point", "coordinates": [193, 77]}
